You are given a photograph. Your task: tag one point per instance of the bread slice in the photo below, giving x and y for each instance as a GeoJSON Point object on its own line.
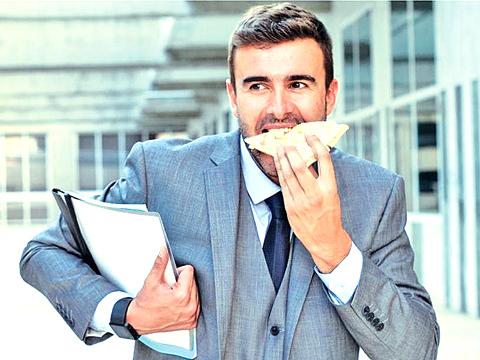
{"type": "Point", "coordinates": [329, 132]}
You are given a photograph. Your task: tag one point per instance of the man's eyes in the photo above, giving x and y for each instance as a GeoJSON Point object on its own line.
{"type": "Point", "coordinates": [257, 87]}
{"type": "Point", "coordinates": [292, 85]}
{"type": "Point", "coordinates": [298, 85]}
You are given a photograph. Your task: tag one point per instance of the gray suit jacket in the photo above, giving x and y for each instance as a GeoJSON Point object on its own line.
{"type": "Point", "coordinates": [194, 185]}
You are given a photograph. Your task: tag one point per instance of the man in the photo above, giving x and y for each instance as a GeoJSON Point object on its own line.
{"type": "Point", "coordinates": [344, 279]}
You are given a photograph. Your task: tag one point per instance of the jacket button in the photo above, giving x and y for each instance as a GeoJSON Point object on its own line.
{"type": "Point", "coordinates": [274, 330]}
{"type": "Point", "coordinates": [366, 310]}
{"type": "Point", "coordinates": [375, 322]}
{"type": "Point", "coordinates": [380, 327]}
{"type": "Point", "coordinates": [370, 316]}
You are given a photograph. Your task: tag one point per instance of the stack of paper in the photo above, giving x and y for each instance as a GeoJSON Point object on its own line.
{"type": "Point", "coordinates": [122, 242]}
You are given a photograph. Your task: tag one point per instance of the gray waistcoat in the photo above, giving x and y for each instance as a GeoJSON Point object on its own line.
{"type": "Point", "coordinates": [249, 335]}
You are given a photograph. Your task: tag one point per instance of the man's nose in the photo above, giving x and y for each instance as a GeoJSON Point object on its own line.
{"type": "Point", "coordinates": [280, 104]}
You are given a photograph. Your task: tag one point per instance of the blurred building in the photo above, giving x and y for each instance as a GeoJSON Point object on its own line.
{"type": "Point", "coordinates": [79, 85]}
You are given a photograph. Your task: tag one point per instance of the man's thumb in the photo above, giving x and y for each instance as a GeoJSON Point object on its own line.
{"type": "Point", "coordinates": [159, 266]}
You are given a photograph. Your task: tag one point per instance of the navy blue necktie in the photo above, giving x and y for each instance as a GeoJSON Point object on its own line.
{"type": "Point", "coordinates": [277, 242]}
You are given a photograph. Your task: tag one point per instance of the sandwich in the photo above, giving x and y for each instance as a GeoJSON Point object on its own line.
{"type": "Point", "coordinates": [329, 133]}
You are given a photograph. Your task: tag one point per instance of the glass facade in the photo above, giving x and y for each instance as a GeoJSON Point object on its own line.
{"type": "Point", "coordinates": [413, 45]}
{"type": "Point", "coordinates": [400, 52]}
{"type": "Point", "coordinates": [446, 160]}
{"type": "Point", "coordinates": [101, 157]}
{"type": "Point", "coordinates": [38, 213]}
{"type": "Point", "coordinates": [37, 156]}
{"type": "Point", "coordinates": [86, 162]}
{"type": "Point", "coordinates": [24, 170]}
{"type": "Point", "coordinates": [130, 140]}
{"type": "Point", "coordinates": [371, 141]}
{"type": "Point", "coordinates": [423, 29]}
{"type": "Point", "coordinates": [357, 64]}
{"type": "Point", "coordinates": [364, 95]}
{"type": "Point", "coordinates": [476, 137]}
{"type": "Point", "coordinates": [402, 131]}
{"type": "Point", "coordinates": [13, 155]}
{"type": "Point", "coordinates": [461, 194]}
{"type": "Point", "coordinates": [110, 158]}
{"type": "Point", "coordinates": [427, 155]}
{"type": "Point", "coordinates": [348, 83]}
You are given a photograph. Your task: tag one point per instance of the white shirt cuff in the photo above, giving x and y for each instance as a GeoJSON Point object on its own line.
{"type": "Point", "coordinates": [342, 282]}
{"type": "Point", "coordinates": [100, 323]}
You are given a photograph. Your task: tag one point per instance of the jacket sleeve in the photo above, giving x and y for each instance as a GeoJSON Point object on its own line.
{"type": "Point", "coordinates": [53, 265]}
{"type": "Point", "coordinates": [391, 315]}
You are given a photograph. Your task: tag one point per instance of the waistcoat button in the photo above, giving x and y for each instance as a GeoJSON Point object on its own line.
{"type": "Point", "coordinates": [274, 330]}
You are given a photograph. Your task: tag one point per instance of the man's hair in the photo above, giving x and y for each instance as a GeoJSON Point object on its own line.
{"type": "Point", "coordinates": [265, 25]}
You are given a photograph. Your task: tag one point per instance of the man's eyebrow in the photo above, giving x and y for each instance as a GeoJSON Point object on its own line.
{"type": "Point", "coordinates": [301, 77]}
{"type": "Point", "coordinates": [251, 79]}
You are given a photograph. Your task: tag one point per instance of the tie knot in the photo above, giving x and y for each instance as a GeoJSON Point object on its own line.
{"type": "Point", "coordinates": [276, 206]}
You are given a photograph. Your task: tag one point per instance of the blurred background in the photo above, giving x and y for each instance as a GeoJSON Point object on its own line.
{"type": "Point", "coordinates": [82, 81]}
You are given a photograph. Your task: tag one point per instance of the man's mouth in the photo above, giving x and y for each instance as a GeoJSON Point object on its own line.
{"type": "Point", "coordinates": [277, 125]}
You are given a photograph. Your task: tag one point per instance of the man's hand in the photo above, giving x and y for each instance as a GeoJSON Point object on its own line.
{"type": "Point", "coordinates": [313, 204]}
{"type": "Point", "coordinates": [158, 307]}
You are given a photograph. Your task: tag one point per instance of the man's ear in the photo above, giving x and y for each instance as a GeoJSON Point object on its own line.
{"type": "Point", "coordinates": [331, 96]}
{"type": "Point", "coordinates": [232, 97]}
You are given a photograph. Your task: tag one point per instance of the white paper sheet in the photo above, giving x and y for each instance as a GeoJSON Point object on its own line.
{"type": "Point", "coordinates": [124, 240]}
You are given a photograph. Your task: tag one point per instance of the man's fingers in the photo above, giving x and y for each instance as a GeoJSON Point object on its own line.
{"type": "Point", "coordinates": [287, 196]}
{"type": "Point", "coordinates": [157, 274]}
{"type": "Point", "coordinates": [325, 165]}
{"type": "Point", "coordinates": [186, 279]}
{"type": "Point", "coordinates": [289, 176]}
{"type": "Point", "coordinates": [305, 177]}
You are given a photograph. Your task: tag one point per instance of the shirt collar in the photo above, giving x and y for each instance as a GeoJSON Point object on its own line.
{"type": "Point", "coordinates": [259, 186]}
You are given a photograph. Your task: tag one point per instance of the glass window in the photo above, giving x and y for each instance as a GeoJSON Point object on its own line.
{"type": "Point", "coordinates": [111, 151]}
{"type": "Point", "coordinates": [476, 127]}
{"type": "Point", "coordinates": [14, 213]}
{"type": "Point", "coordinates": [424, 43]}
{"type": "Point", "coordinates": [370, 139]}
{"type": "Point", "coordinates": [38, 166]}
{"type": "Point", "coordinates": [349, 83]}
{"type": "Point", "coordinates": [226, 120]}
{"type": "Point", "coordinates": [459, 118]}
{"type": "Point", "coordinates": [412, 54]}
{"type": "Point", "coordinates": [350, 140]}
{"type": "Point", "coordinates": [403, 148]}
{"type": "Point", "coordinates": [357, 66]}
{"type": "Point", "coordinates": [86, 159]}
{"type": "Point", "coordinates": [427, 155]}
{"type": "Point", "coordinates": [110, 158]}
{"type": "Point", "coordinates": [38, 213]}
{"type": "Point", "coordinates": [130, 140]}
{"type": "Point", "coordinates": [13, 157]}
{"type": "Point", "coordinates": [399, 40]}
{"type": "Point", "coordinates": [476, 137]}
{"type": "Point", "coordinates": [365, 64]}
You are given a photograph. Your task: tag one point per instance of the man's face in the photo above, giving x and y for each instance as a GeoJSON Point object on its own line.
{"type": "Point", "coordinates": [279, 86]}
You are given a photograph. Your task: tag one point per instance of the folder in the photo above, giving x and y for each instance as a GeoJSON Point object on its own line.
{"type": "Point", "coordinates": [121, 242]}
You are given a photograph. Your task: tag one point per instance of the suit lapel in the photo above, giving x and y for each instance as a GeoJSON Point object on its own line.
{"type": "Point", "coordinates": [300, 278]}
{"type": "Point", "coordinates": [222, 187]}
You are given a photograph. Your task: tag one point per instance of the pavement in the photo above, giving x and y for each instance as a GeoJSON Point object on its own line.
{"type": "Point", "coordinates": [31, 328]}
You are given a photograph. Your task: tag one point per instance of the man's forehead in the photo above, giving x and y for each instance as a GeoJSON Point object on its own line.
{"type": "Point", "coordinates": [279, 61]}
